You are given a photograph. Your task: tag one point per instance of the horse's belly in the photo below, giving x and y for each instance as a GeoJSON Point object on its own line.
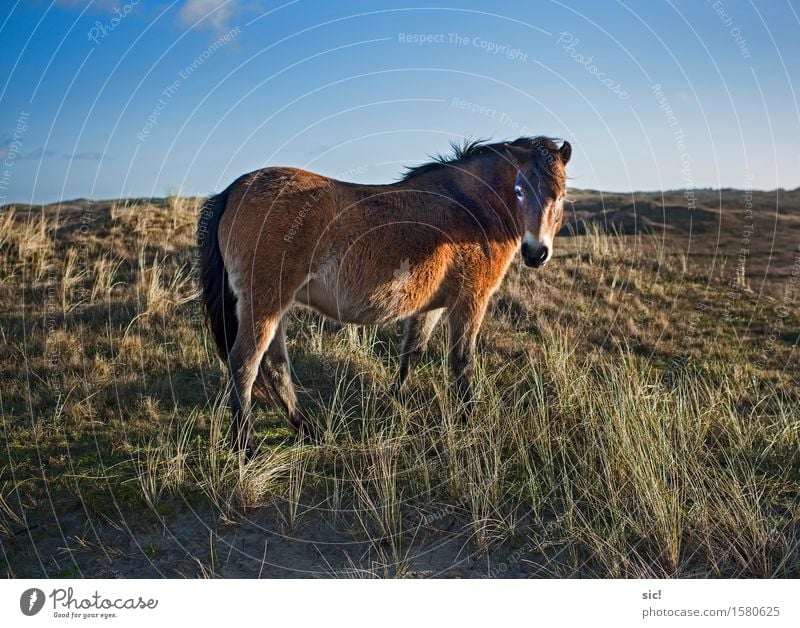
{"type": "Point", "coordinates": [386, 301]}
{"type": "Point", "coordinates": [333, 304]}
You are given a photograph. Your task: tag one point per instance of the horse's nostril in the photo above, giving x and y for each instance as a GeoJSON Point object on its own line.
{"type": "Point", "coordinates": [534, 255]}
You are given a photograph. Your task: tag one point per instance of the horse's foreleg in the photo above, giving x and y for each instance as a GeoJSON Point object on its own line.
{"type": "Point", "coordinates": [418, 330]}
{"type": "Point", "coordinates": [464, 323]}
{"type": "Point", "coordinates": [243, 362]}
{"type": "Point", "coordinates": [276, 372]}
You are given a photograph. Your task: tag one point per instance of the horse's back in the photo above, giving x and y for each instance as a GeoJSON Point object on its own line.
{"type": "Point", "coordinates": [357, 253]}
{"type": "Point", "coordinates": [270, 193]}
{"type": "Point", "coordinates": [277, 203]}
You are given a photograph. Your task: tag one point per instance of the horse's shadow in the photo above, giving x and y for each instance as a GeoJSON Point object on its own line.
{"type": "Point", "coordinates": [347, 390]}
{"type": "Point", "coordinates": [344, 394]}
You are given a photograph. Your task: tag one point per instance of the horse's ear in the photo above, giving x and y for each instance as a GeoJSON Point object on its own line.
{"type": "Point", "coordinates": [517, 154]}
{"type": "Point", "coordinates": [565, 152]}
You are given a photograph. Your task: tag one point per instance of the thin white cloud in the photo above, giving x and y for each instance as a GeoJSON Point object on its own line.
{"type": "Point", "coordinates": [87, 156]}
{"type": "Point", "coordinates": [216, 14]}
{"type": "Point", "coordinates": [43, 153]}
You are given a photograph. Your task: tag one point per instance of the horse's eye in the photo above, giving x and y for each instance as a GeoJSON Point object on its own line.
{"type": "Point", "coordinates": [518, 191]}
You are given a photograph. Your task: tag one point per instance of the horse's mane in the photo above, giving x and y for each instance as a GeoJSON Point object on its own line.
{"type": "Point", "coordinates": [470, 148]}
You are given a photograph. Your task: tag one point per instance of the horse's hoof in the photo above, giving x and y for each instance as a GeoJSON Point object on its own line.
{"type": "Point", "coordinates": [307, 435]}
{"type": "Point", "coordinates": [243, 446]}
{"type": "Point", "coordinates": [397, 390]}
{"type": "Point", "coordinates": [465, 416]}
{"type": "Point", "coordinates": [249, 453]}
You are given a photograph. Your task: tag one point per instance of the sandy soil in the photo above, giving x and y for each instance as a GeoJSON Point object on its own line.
{"type": "Point", "coordinates": [194, 542]}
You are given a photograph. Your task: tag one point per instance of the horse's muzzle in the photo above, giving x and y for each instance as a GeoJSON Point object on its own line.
{"type": "Point", "coordinates": [535, 256]}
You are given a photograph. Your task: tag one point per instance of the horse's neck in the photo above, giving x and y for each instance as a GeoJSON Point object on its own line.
{"type": "Point", "coordinates": [485, 185]}
{"type": "Point", "coordinates": [494, 177]}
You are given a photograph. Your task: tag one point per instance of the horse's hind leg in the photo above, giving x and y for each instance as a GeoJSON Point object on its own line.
{"type": "Point", "coordinates": [276, 372]}
{"type": "Point", "coordinates": [251, 342]}
{"type": "Point", "coordinates": [418, 330]}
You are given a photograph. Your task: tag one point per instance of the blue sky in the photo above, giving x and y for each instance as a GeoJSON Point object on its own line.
{"type": "Point", "coordinates": [109, 99]}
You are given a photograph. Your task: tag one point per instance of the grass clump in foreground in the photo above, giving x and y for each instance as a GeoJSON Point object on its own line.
{"type": "Point", "coordinates": [632, 418]}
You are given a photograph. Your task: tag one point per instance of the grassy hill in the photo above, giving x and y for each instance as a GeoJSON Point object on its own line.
{"type": "Point", "coordinates": [638, 409]}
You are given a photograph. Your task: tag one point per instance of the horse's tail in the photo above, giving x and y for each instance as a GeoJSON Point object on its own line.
{"type": "Point", "coordinates": [219, 301]}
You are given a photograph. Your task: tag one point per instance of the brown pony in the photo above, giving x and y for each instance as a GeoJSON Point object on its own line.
{"type": "Point", "coordinates": [439, 240]}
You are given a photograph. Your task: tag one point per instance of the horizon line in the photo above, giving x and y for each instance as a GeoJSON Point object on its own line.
{"type": "Point", "coordinates": [64, 201]}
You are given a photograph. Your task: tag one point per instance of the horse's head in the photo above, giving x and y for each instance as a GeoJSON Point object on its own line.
{"type": "Point", "coordinates": [539, 189]}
